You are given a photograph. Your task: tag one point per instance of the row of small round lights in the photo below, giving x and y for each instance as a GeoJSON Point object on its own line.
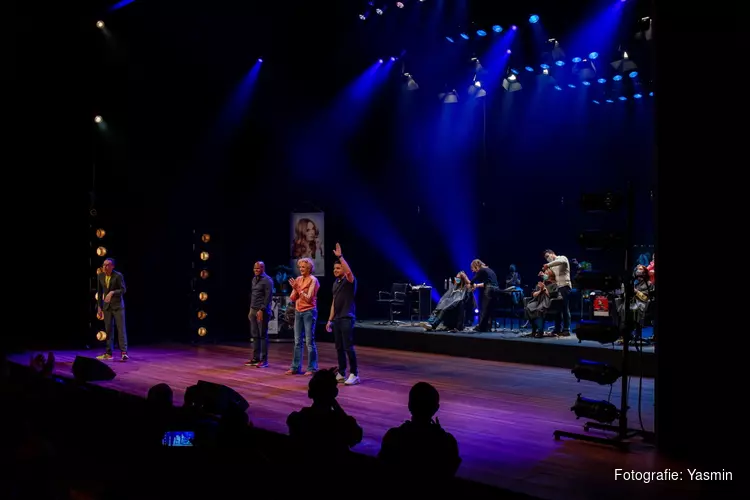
{"type": "Point", "coordinates": [201, 266]}
{"type": "Point", "coordinates": [101, 254]}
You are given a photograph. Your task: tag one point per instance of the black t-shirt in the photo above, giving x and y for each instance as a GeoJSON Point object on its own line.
{"type": "Point", "coordinates": [343, 298]}
{"type": "Point", "coordinates": [486, 276]}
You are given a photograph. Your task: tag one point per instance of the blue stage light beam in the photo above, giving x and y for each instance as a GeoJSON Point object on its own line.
{"type": "Point", "coordinates": [495, 61]}
{"type": "Point", "coordinates": [120, 5]}
{"type": "Point", "coordinates": [596, 35]}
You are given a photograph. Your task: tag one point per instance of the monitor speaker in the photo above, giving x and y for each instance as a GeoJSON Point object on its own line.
{"type": "Point", "coordinates": [91, 370]}
{"type": "Point", "coordinates": [217, 398]}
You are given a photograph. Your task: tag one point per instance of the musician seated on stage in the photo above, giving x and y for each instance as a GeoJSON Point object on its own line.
{"type": "Point", "coordinates": [541, 299]}
{"type": "Point", "coordinates": [451, 308]}
{"type": "Point", "coordinates": [644, 290]}
{"type": "Point", "coordinates": [513, 285]}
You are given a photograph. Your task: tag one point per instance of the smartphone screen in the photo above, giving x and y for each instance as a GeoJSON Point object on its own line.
{"type": "Point", "coordinates": [178, 438]}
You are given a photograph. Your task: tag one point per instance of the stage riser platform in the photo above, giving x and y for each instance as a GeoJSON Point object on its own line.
{"type": "Point", "coordinates": [553, 352]}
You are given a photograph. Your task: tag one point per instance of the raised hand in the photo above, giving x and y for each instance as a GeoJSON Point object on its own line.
{"type": "Point", "coordinates": [337, 251]}
{"type": "Point", "coordinates": [293, 283]}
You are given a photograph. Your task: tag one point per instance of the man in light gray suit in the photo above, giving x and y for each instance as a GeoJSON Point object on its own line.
{"type": "Point", "coordinates": [110, 288]}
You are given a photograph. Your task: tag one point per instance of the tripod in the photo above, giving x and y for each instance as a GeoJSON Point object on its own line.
{"type": "Point", "coordinates": [623, 432]}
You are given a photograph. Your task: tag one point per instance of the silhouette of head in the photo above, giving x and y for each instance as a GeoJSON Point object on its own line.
{"type": "Point", "coordinates": [160, 395]}
{"type": "Point", "coordinates": [424, 401]}
{"type": "Point", "coordinates": [323, 387]}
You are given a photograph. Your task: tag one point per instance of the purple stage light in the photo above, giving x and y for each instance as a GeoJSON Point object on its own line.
{"type": "Point", "coordinates": [508, 51]}
{"type": "Point", "coordinates": [380, 60]}
{"type": "Point", "coordinates": [514, 27]}
{"type": "Point", "coordinates": [260, 59]}
{"type": "Point", "coordinates": [393, 58]}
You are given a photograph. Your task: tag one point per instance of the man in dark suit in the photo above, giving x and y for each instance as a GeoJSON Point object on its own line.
{"type": "Point", "coordinates": [110, 288]}
{"type": "Point", "coordinates": [260, 314]}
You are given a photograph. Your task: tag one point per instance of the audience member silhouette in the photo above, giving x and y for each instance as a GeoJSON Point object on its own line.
{"type": "Point", "coordinates": [323, 428]}
{"type": "Point", "coordinates": [420, 447]}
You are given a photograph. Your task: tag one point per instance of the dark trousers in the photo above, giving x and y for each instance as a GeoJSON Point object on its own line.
{"type": "Point", "coordinates": [489, 302]}
{"type": "Point", "coordinates": [259, 334]}
{"type": "Point", "coordinates": [343, 336]}
{"type": "Point", "coordinates": [562, 317]}
{"type": "Point", "coordinates": [115, 318]}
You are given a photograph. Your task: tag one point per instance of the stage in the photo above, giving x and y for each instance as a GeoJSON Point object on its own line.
{"type": "Point", "coordinates": [506, 345]}
{"type": "Point", "coordinates": [502, 414]}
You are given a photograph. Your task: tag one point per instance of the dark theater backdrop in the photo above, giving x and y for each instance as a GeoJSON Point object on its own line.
{"type": "Point", "coordinates": [412, 188]}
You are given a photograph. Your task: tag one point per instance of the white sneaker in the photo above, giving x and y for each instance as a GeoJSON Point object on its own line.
{"type": "Point", "coordinates": [352, 380]}
{"type": "Point", "coordinates": [340, 378]}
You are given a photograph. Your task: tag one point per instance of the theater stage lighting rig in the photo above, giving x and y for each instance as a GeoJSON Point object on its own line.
{"type": "Point", "coordinates": [605, 413]}
{"type": "Point", "coordinates": [200, 279]}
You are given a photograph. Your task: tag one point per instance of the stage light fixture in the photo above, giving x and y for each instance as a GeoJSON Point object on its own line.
{"type": "Point", "coordinates": [202, 314]}
{"type": "Point", "coordinates": [100, 233]}
{"type": "Point", "coordinates": [101, 251]}
{"type": "Point", "coordinates": [651, 94]}
{"type": "Point", "coordinates": [497, 28]}
{"type": "Point", "coordinates": [410, 84]}
{"type": "Point", "coordinates": [623, 98]}
{"type": "Point", "coordinates": [601, 411]}
{"type": "Point", "coordinates": [560, 64]}
{"type": "Point", "coordinates": [593, 55]}
{"type": "Point", "coordinates": [637, 96]}
{"type": "Point", "coordinates": [202, 331]}
{"type": "Point", "coordinates": [204, 274]}
{"type": "Point", "coordinates": [449, 97]}
{"type": "Point", "coordinates": [508, 51]}
{"type": "Point", "coordinates": [609, 101]}
{"type": "Point", "coordinates": [204, 256]}
{"type": "Point", "coordinates": [585, 83]}
{"type": "Point", "coordinates": [593, 371]}
{"type": "Point", "coordinates": [362, 17]}
{"type": "Point", "coordinates": [476, 91]}
{"type": "Point", "coordinates": [205, 238]}
{"type": "Point", "coordinates": [481, 33]}
{"type": "Point", "coordinates": [576, 60]}
{"type": "Point", "coordinates": [601, 80]}
{"type": "Point", "coordinates": [380, 10]}
{"type": "Point", "coordinates": [557, 87]}
{"type": "Point", "coordinates": [511, 83]}
{"type": "Point", "coordinates": [101, 335]}
{"type": "Point", "coordinates": [477, 83]}
{"type": "Point", "coordinates": [203, 296]}
{"type": "Point", "coordinates": [100, 24]}
{"type": "Point", "coordinates": [393, 58]}
{"type": "Point", "coordinates": [533, 19]}
{"type": "Point", "coordinates": [514, 27]}
{"type": "Point", "coordinates": [529, 69]}
{"type": "Point", "coordinates": [465, 36]}
{"type": "Point", "coordinates": [260, 59]}
{"type": "Point", "coordinates": [633, 74]}
{"type": "Point", "coordinates": [597, 331]}
{"type": "Point", "coordinates": [400, 5]}
{"type": "Point", "coordinates": [97, 119]}
{"type": "Point", "coordinates": [617, 78]}
{"type": "Point", "coordinates": [380, 61]}
{"type": "Point", "coordinates": [572, 86]}
{"type": "Point", "coordinates": [595, 101]}
{"type": "Point", "coordinates": [450, 39]}
{"type": "Point", "coordinates": [544, 66]}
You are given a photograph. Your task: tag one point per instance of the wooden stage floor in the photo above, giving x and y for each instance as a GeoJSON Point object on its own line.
{"type": "Point", "coordinates": [502, 414]}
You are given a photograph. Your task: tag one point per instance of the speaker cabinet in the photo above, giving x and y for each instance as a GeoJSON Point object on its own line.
{"type": "Point", "coordinates": [91, 370]}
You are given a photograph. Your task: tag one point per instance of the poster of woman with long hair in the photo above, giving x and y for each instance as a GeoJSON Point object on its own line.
{"type": "Point", "coordinates": [307, 240]}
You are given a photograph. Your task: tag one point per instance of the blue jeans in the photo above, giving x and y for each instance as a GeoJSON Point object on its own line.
{"type": "Point", "coordinates": [307, 321]}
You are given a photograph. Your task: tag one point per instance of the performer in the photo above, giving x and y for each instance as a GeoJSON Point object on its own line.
{"type": "Point", "coordinates": [513, 285]}
{"type": "Point", "coordinates": [639, 305]}
{"type": "Point", "coordinates": [342, 317]}
{"type": "Point", "coordinates": [305, 297]}
{"type": "Point", "coordinates": [486, 279]}
{"type": "Point", "coordinates": [650, 269]}
{"type": "Point", "coordinates": [452, 305]}
{"type": "Point", "coordinates": [540, 302]}
{"type": "Point", "coordinates": [110, 288]}
{"type": "Point", "coordinates": [261, 293]}
{"type": "Point", "coordinates": [561, 267]}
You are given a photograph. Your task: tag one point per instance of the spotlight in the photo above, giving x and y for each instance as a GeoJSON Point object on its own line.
{"type": "Point", "coordinates": [450, 39]}
{"type": "Point", "coordinates": [557, 87]}
{"type": "Point", "coordinates": [481, 33]}
{"type": "Point", "coordinates": [576, 60]}
{"type": "Point", "coordinates": [637, 96]}
{"type": "Point", "coordinates": [651, 94]}
{"type": "Point", "coordinates": [379, 11]}
{"type": "Point", "coordinates": [617, 78]}
{"type": "Point", "coordinates": [511, 83]}
{"type": "Point", "coordinates": [476, 311]}
{"type": "Point", "coordinates": [203, 296]}
{"type": "Point", "coordinates": [529, 69]}
{"type": "Point", "coordinates": [497, 28]}
{"type": "Point", "coordinates": [202, 331]}
{"type": "Point", "coordinates": [101, 335]}
{"type": "Point", "coordinates": [97, 119]}
{"type": "Point", "coordinates": [362, 17]}
{"type": "Point", "coordinates": [204, 274]}
{"type": "Point", "coordinates": [602, 80]}
{"type": "Point", "coordinates": [592, 371]}
{"type": "Point", "coordinates": [260, 59]}
{"type": "Point", "coordinates": [101, 251]}
{"type": "Point", "coordinates": [204, 255]}
{"type": "Point", "coordinates": [100, 24]}
{"type": "Point", "coordinates": [477, 83]}
{"type": "Point", "coordinates": [449, 97]}
{"type": "Point", "coordinates": [205, 238]}
{"type": "Point", "coordinates": [571, 86]}
{"type": "Point", "coordinates": [601, 411]}
{"type": "Point", "coordinates": [400, 5]}
{"type": "Point", "coordinates": [544, 66]}
{"type": "Point", "coordinates": [534, 19]}
{"type": "Point", "coordinates": [586, 83]}
{"type": "Point", "coordinates": [514, 27]}
{"type": "Point", "coordinates": [411, 84]}
{"type": "Point", "coordinates": [508, 51]}
{"type": "Point", "coordinates": [623, 98]}
{"type": "Point", "coordinates": [633, 74]}
{"type": "Point", "coordinates": [380, 61]}
{"type": "Point", "coordinates": [393, 58]}
{"type": "Point", "coordinates": [100, 233]}
{"type": "Point", "coordinates": [560, 63]}
{"type": "Point", "coordinates": [202, 314]}
{"type": "Point", "coordinates": [609, 101]}
{"type": "Point", "coordinates": [595, 101]}
{"type": "Point", "coordinates": [593, 55]}
{"type": "Point", "coordinates": [464, 36]}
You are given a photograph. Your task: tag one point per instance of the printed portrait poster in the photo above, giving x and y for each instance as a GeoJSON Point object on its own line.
{"type": "Point", "coordinates": [308, 240]}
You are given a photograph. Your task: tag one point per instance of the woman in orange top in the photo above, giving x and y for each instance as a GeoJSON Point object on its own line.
{"type": "Point", "coordinates": [305, 297]}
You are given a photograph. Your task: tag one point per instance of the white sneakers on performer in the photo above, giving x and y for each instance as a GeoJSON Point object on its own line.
{"type": "Point", "coordinates": [352, 380]}
{"type": "Point", "coordinates": [340, 378]}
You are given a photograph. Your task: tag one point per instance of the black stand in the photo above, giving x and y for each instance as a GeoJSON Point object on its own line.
{"type": "Point", "coordinates": [623, 433]}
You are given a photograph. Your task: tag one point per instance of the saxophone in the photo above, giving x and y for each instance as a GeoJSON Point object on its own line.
{"type": "Point", "coordinates": [641, 296]}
